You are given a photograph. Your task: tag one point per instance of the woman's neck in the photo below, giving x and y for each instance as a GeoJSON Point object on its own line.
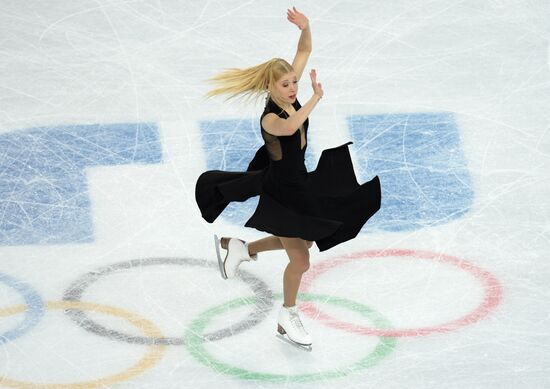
{"type": "Point", "coordinates": [285, 106]}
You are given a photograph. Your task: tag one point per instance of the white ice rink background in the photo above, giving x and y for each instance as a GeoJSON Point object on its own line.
{"type": "Point", "coordinates": [107, 270]}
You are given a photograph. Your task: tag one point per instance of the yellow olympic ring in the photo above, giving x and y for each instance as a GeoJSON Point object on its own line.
{"type": "Point", "coordinates": [156, 352]}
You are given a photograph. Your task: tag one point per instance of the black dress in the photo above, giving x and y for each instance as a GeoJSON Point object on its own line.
{"type": "Point", "coordinates": [326, 205]}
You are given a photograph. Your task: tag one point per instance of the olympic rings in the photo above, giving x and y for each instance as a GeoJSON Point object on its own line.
{"type": "Point", "coordinates": [264, 301]}
{"type": "Point", "coordinates": [149, 360]}
{"type": "Point", "coordinates": [34, 312]}
{"type": "Point", "coordinates": [492, 288]}
{"type": "Point", "coordinates": [195, 344]}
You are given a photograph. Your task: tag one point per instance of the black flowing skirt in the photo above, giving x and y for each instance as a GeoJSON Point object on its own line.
{"type": "Point", "coordinates": [328, 206]}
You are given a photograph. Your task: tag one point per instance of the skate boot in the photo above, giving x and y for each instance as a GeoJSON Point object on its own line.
{"type": "Point", "coordinates": [237, 252]}
{"type": "Point", "coordinates": [289, 324]}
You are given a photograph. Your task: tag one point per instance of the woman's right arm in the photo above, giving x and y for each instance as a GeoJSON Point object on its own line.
{"type": "Point", "coordinates": [281, 127]}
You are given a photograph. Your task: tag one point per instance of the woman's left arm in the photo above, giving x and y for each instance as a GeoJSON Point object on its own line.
{"type": "Point", "coordinates": [304, 44]}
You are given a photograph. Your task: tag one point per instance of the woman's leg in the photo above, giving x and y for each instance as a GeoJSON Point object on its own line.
{"type": "Point", "coordinates": [298, 253]}
{"type": "Point", "coordinates": [265, 244]}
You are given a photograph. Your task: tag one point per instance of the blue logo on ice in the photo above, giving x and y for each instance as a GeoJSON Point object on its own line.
{"type": "Point", "coordinates": [43, 193]}
{"type": "Point", "coordinates": [422, 170]}
{"type": "Point", "coordinates": [424, 177]}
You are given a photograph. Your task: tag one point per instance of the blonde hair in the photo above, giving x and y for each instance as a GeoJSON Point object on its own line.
{"type": "Point", "coordinates": [251, 82]}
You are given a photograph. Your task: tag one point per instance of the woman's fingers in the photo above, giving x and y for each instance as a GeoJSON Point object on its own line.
{"type": "Point", "coordinates": [297, 18]}
{"type": "Point", "coordinates": [317, 87]}
{"type": "Point", "coordinates": [292, 13]}
{"type": "Point", "coordinates": [313, 75]}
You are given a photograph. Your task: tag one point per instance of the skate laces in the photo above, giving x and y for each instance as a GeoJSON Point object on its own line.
{"type": "Point", "coordinates": [295, 320]}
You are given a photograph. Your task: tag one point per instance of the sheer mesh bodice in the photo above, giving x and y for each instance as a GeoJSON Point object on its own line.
{"type": "Point", "coordinates": [273, 145]}
{"type": "Point", "coordinates": [289, 147]}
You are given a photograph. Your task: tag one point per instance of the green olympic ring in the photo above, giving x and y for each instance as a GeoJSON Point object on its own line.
{"type": "Point", "coordinates": [195, 342]}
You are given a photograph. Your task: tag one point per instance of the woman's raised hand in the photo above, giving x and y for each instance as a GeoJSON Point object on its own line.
{"type": "Point", "coordinates": [297, 18]}
{"type": "Point", "coordinates": [317, 88]}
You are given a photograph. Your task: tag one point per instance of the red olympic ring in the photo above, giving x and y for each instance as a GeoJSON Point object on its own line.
{"type": "Point", "coordinates": [491, 299]}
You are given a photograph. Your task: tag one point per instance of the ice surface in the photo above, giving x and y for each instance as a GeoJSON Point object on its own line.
{"type": "Point", "coordinates": [107, 271]}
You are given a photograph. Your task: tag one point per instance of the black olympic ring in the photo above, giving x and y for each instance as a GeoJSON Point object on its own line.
{"type": "Point", "coordinates": [264, 302]}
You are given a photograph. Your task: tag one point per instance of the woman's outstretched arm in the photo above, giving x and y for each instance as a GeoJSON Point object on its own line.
{"type": "Point", "coordinates": [304, 44]}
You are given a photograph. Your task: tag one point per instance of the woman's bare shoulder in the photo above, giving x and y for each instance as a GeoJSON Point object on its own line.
{"type": "Point", "coordinates": [274, 125]}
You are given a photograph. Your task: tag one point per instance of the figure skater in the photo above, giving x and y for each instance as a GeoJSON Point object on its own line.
{"type": "Point", "coordinates": [326, 206]}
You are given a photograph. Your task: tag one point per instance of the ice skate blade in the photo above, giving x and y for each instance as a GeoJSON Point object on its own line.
{"type": "Point", "coordinates": [297, 345]}
{"type": "Point", "coordinates": [217, 244]}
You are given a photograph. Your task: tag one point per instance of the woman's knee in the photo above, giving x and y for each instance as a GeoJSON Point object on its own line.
{"type": "Point", "coordinates": [304, 266]}
{"type": "Point", "coordinates": [300, 261]}
{"type": "Point", "coordinates": [298, 253]}
{"type": "Point", "coordinates": [299, 267]}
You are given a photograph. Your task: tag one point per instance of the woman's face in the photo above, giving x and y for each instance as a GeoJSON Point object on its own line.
{"type": "Point", "coordinates": [286, 87]}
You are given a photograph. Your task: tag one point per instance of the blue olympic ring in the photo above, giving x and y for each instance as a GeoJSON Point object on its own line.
{"type": "Point", "coordinates": [33, 314]}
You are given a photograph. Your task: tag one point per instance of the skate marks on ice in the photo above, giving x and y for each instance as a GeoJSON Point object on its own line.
{"type": "Point", "coordinates": [75, 292]}
{"type": "Point", "coordinates": [452, 271]}
{"type": "Point", "coordinates": [418, 157]}
{"type": "Point", "coordinates": [375, 351]}
{"type": "Point", "coordinates": [44, 196]}
{"type": "Point", "coordinates": [421, 165]}
{"type": "Point", "coordinates": [151, 358]}
{"type": "Point", "coordinates": [193, 340]}
{"type": "Point", "coordinates": [489, 299]}
{"type": "Point", "coordinates": [216, 349]}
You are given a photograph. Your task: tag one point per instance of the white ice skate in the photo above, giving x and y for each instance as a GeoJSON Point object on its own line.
{"type": "Point", "coordinates": [237, 252]}
{"type": "Point", "coordinates": [289, 324]}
